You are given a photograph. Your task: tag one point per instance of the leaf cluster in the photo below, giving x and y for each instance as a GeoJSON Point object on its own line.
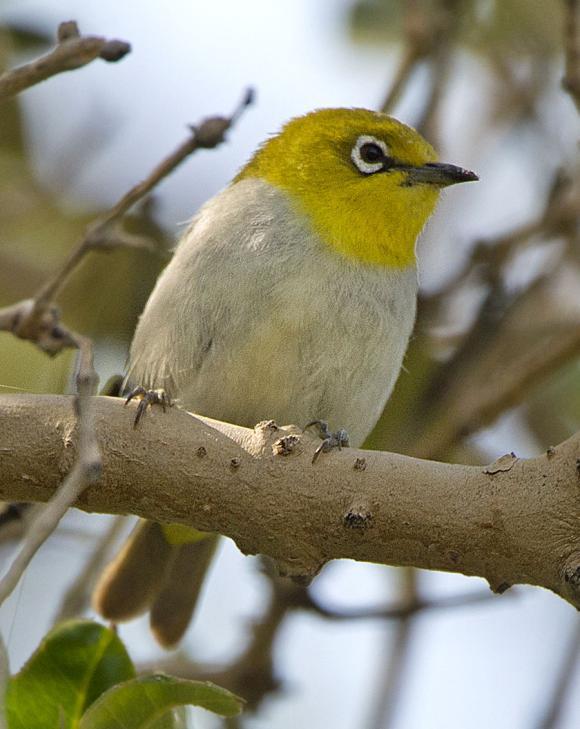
{"type": "Point", "coordinates": [81, 677]}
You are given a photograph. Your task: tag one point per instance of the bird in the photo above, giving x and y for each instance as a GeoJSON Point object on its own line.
{"type": "Point", "coordinates": [291, 296]}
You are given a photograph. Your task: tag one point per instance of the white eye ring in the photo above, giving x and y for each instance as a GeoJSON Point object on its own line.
{"type": "Point", "coordinates": [367, 168]}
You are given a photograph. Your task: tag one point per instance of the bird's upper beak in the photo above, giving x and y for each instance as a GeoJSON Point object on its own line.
{"type": "Point", "coordinates": [439, 174]}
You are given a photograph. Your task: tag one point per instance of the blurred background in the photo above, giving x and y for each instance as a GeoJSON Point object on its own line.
{"type": "Point", "coordinates": [494, 365]}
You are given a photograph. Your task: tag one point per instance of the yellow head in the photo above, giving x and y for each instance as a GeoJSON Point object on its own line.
{"type": "Point", "coordinates": [367, 182]}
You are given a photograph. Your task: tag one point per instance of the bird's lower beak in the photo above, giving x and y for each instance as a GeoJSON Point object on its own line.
{"type": "Point", "coordinates": [439, 174]}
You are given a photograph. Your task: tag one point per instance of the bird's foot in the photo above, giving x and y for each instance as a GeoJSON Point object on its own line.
{"type": "Point", "coordinates": [147, 398]}
{"type": "Point", "coordinates": [330, 441]}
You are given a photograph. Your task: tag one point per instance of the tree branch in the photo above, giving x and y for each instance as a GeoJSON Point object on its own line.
{"type": "Point", "coordinates": [571, 80]}
{"type": "Point", "coordinates": [391, 675]}
{"type": "Point", "coordinates": [71, 52]}
{"type": "Point", "coordinates": [38, 319]}
{"type": "Point", "coordinates": [516, 521]}
{"type": "Point", "coordinates": [400, 610]}
{"type": "Point", "coordinates": [564, 682]}
{"type": "Point", "coordinates": [77, 598]}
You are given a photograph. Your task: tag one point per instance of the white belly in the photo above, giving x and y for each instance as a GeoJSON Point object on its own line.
{"type": "Point", "coordinates": [255, 318]}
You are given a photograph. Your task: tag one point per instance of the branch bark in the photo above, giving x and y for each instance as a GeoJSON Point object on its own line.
{"type": "Point", "coordinates": [515, 521]}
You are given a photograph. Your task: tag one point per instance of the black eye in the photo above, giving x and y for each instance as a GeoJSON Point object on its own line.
{"type": "Point", "coordinates": [371, 153]}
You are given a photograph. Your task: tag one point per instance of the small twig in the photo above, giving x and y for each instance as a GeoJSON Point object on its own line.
{"type": "Point", "coordinates": [571, 80]}
{"type": "Point", "coordinates": [43, 527]}
{"type": "Point", "coordinates": [419, 39]}
{"type": "Point", "coordinates": [209, 134]}
{"type": "Point", "coordinates": [38, 319]}
{"type": "Point", "coordinates": [428, 35]}
{"type": "Point", "coordinates": [445, 21]}
{"type": "Point", "coordinates": [251, 673]}
{"type": "Point", "coordinates": [411, 58]}
{"type": "Point", "coordinates": [397, 612]}
{"type": "Point", "coordinates": [72, 51]}
{"type": "Point", "coordinates": [78, 595]}
{"type": "Point", "coordinates": [470, 403]}
{"type": "Point", "coordinates": [390, 682]}
{"type": "Point", "coordinates": [44, 329]}
{"type": "Point", "coordinates": [564, 681]}
{"type": "Point", "coordinates": [560, 213]}
{"type": "Point", "coordinates": [85, 472]}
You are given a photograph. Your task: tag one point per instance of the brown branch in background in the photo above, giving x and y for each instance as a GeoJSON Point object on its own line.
{"type": "Point", "coordinates": [418, 42]}
{"type": "Point", "coordinates": [77, 597]}
{"type": "Point", "coordinates": [472, 406]}
{"type": "Point", "coordinates": [103, 233]}
{"type": "Point", "coordinates": [252, 673]}
{"type": "Point", "coordinates": [418, 32]}
{"type": "Point", "coordinates": [38, 319]}
{"type": "Point", "coordinates": [412, 56]}
{"type": "Point", "coordinates": [462, 397]}
{"type": "Point", "coordinates": [559, 217]}
{"type": "Point", "coordinates": [564, 681]}
{"type": "Point", "coordinates": [429, 37]}
{"type": "Point", "coordinates": [445, 24]}
{"type": "Point", "coordinates": [403, 609]}
{"type": "Point", "coordinates": [571, 80]}
{"type": "Point", "coordinates": [397, 653]}
{"type": "Point", "coordinates": [511, 382]}
{"type": "Point", "coordinates": [71, 52]}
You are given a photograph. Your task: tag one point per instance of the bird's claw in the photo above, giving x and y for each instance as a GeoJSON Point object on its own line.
{"type": "Point", "coordinates": [330, 441]}
{"type": "Point", "coordinates": [147, 398]}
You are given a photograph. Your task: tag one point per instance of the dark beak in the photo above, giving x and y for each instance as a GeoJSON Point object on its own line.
{"type": "Point", "coordinates": [439, 174]}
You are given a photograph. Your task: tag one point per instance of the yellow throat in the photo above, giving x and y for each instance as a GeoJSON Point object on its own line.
{"type": "Point", "coordinates": [374, 218]}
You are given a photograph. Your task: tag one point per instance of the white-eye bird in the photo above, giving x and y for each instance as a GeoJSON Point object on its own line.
{"type": "Point", "coordinates": [291, 297]}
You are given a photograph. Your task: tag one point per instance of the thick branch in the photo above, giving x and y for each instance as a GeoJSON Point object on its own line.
{"type": "Point", "coordinates": [517, 521]}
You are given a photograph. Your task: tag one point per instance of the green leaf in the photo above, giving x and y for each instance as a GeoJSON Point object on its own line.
{"type": "Point", "coordinates": [138, 703]}
{"type": "Point", "coordinates": [75, 663]}
{"type": "Point", "coordinates": [175, 719]}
